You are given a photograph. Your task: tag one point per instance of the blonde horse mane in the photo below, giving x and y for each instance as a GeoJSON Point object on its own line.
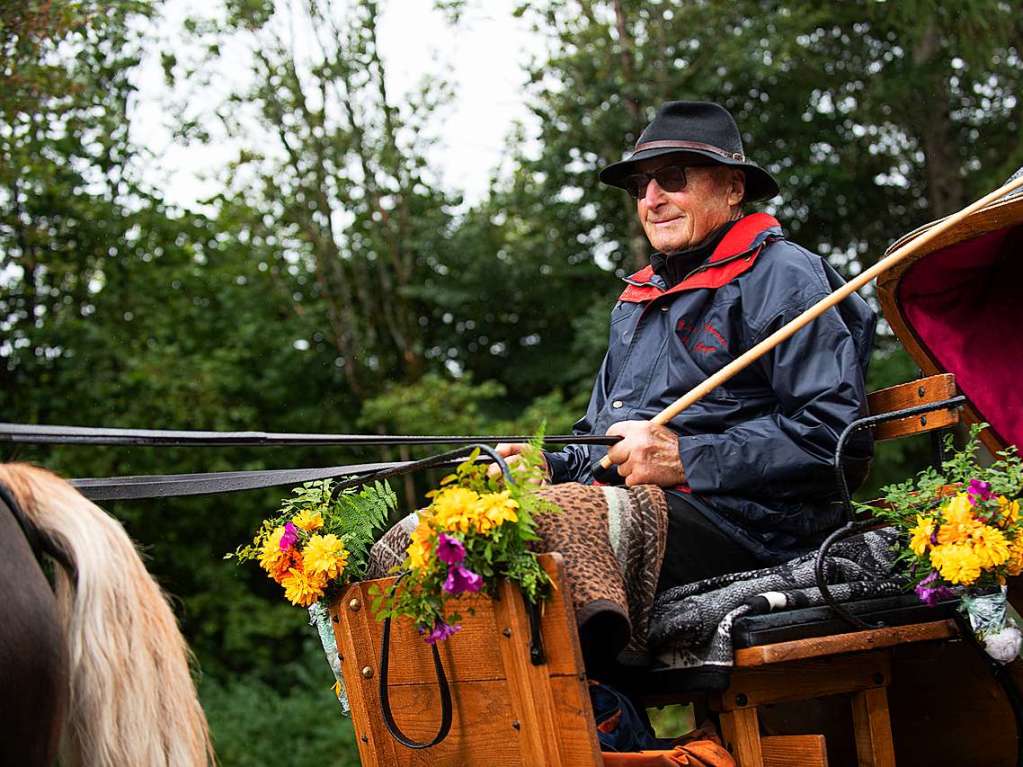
{"type": "Point", "coordinates": [133, 701]}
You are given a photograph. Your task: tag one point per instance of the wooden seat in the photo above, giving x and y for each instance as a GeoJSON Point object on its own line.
{"type": "Point", "coordinates": [854, 663]}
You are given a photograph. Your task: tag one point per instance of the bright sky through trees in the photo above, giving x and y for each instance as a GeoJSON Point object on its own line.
{"type": "Point", "coordinates": [483, 60]}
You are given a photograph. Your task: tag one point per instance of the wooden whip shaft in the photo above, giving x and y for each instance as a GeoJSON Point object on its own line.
{"type": "Point", "coordinates": [701, 390]}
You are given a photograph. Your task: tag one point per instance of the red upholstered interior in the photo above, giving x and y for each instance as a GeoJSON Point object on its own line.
{"type": "Point", "coordinates": [963, 304]}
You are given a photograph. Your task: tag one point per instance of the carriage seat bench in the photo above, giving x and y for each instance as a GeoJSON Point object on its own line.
{"type": "Point", "coordinates": [810, 653]}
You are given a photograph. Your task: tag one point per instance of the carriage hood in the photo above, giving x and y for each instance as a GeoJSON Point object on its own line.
{"type": "Point", "coordinates": [956, 308]}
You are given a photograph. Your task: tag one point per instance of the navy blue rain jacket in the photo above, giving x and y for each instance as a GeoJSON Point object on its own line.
{"type": "Point", "coordinates": [758, 450]}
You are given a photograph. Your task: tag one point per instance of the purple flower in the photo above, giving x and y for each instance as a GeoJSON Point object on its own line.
{"type": "Point", "coordinates": [441, 631]}
{"type": "Point", "coordinates": [979, 491]}
{"type": "Point", "coordinates": [460, 579]}
{"type": "Point", "coordinates": [290, 537]}
{"type": "Point", "coordinates": [932, 595]}
{"type": "Point", "coordinates": [449, 550]}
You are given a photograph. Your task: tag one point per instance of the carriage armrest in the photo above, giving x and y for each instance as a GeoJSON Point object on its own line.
{"type": "Point", "coordinates": [924, 391]}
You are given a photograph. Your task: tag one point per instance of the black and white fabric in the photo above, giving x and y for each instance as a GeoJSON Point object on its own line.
{"type": "Point", "coordinates": [691, 625]}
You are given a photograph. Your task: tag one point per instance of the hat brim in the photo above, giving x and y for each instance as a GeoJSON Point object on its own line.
{"type": "Point", "coordinates": [760, 185]}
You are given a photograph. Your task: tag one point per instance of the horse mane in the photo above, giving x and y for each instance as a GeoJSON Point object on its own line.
{"type": "Point", "coordinates": [132, 697]}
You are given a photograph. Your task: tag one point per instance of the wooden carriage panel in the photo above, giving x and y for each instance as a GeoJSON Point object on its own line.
{"type": "Point", "coordinates": [946, 708]}
{"type": "Point", "coordinates": [506, 711]}
{"type": "Point", "coordinates": [924, 391]}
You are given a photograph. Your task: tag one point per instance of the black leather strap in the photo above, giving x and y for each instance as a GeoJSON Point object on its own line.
{"type": "Point", "coordinates": [171, 485]}
{"type": "Point", "coordinates": [385, 701]}
{"type": "Point", "coordinates": [84, 435]}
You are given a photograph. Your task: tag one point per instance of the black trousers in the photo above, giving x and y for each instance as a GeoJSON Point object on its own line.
{"type": "Point", "coordinates": [697, 548]}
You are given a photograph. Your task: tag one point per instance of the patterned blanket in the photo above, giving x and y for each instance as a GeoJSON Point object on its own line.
{"type": "Point", "coordinates": [612, 540]}
{"type": "Point", "coordinates": [691, 625]}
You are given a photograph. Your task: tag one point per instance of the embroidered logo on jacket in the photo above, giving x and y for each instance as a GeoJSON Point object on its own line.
{"type": "Point", "coordinates": [709, 339]}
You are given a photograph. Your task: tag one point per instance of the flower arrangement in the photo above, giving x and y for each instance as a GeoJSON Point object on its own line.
{"type": "Point", "coordinates": [319, 540]}
{"type": "Point", "coordinates": [476, 530]}
{"type": "Point", "coordinates": [963, 536]}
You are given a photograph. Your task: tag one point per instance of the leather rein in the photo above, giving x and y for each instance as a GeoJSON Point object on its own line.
{"type": "Point", "coordinates": [173, 485]}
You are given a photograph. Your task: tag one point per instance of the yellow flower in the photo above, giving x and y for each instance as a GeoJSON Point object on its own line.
{"type": "Point", "coordinates": [956, 562]}
{"type": "Point", "coordinates": [270, 555]}
{"type": "Point", "coordinates": [421, 548]}
{"type": "Point", "coordinates": [1007, 510]}
{"type": "Point", "coordinates": [302, 588]}
{"type": "Point", "coordinates": [959, 522]}
{"type": "Point", "coordinates": [494, 509]}
{"type": "Point", "coordinates": [990, 546]}
{"type": "Point", "coordinates": [325, 554]}
{"type": "Point", "coordinates": [309, 521]}
{"type": "Point", "coordinates": [921, 539]}
{"type": "Point", "coordinates": [454, 509]}
{"type": "Point", "coordinates": [1014, 564]}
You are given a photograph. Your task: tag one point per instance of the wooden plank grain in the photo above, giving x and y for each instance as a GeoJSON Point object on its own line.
{"type": "Point", "coordinates": [483, 727]}
{"type": "Point", "coordinates": [923, 391]}
{"type": "Point", "coordinates": [873, 728]}
{"type": "Point", "coordinates": [856, 641]}
{"type": "Point", "coordinates": [803, 680]}
{"type": "Point", "coordinates": [741, 732]}
{"type": "Point", "coordinates": [376, 747]}
{"type": "Point", "coordinates": [794, 751]}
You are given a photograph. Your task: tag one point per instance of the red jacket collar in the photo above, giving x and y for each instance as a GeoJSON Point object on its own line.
{"type": "Point", "coordinates": [739, 240]}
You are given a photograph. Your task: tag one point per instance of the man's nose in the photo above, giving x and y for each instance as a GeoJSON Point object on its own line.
{"type": "Point", "coordinates": [654, 195]}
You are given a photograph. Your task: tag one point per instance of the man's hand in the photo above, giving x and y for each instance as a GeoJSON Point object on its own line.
{"type": "Point", "coordinates": [647, 454]}
{"type": "Point", "coordinates": [511, 452]}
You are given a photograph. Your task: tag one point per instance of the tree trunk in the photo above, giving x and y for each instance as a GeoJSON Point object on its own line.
{"type": "Point", "coordinates": [945, 193]}
{"type": "Point", "coordinates": [639, 252]}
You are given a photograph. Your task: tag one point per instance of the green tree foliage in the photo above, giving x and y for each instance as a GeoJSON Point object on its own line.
{"type": "Point", "coordinates": [333, 284]}
{"type": "Point", "coordinates": [874, 117]}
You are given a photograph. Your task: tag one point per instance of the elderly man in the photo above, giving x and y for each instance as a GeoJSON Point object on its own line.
{"type": "Point", "coordinates": [747, 469]}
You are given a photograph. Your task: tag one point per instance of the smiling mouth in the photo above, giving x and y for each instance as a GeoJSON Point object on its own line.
{"type": "Point", "coordinates": [666, 221]}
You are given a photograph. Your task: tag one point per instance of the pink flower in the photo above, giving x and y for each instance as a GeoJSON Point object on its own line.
{"type": "Point", "coordinates": [979, 491]}
{"type": "Point", "coordinates": [460, 579]}
{"type": "Point", "coordinates": [932, 595]}
{"type": "Point", "coordinates": [441, 631]}
{"type": "Point", "coordinates": [290, 537]}
{"type": "Point", "coordinates": [449, 550]}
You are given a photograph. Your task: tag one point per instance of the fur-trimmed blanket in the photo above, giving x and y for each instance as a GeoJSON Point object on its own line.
{"type": "Point", "coordinates": [612, 540]}
{"type": "Point", "coordinates": [691, 625]}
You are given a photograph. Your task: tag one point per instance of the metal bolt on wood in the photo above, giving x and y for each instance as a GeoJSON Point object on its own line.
{"type": "Point", "coordinates": [354, 605]}
{"type": "Point", "coordinates": [367, 673]}
{"type": "Point", "coordinates": [507, 631]}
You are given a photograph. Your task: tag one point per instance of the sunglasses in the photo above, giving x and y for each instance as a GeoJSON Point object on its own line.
{"type": "Point", "coordinates": [671, 178]}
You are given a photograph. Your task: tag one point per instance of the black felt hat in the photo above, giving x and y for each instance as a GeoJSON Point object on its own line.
{"type": "Point", "coordinates": [702, 132]}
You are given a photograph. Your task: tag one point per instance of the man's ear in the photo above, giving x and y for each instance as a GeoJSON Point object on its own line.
{"type": "Point", "coordinates": [736, 187]}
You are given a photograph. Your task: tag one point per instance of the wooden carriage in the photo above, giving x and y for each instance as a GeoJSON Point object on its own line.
{"type": "Point", "coordinates": [807, 689]}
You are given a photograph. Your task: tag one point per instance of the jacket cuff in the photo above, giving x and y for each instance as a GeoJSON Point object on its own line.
{"type": "Point", "coordinates": [700, 462]}
{"type": "Point", "coordinates": [557, 466]}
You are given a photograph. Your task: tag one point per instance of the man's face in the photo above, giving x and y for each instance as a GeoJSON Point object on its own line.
{"type": "Point", "coordinates": [674, 221]}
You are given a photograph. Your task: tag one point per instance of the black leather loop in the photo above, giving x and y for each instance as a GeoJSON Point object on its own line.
{"type": "Point", "coordinates": [385, 701]}
{"type": "Point", "coordinates": [537, 656]}
{"type": "Point", "coordinates": [822, 581]}
{"type": "Point", "coordinates": [536, 647]}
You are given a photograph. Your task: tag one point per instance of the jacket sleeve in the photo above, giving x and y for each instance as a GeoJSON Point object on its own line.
{"type": "Point", "coordinates": [817, 379]}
